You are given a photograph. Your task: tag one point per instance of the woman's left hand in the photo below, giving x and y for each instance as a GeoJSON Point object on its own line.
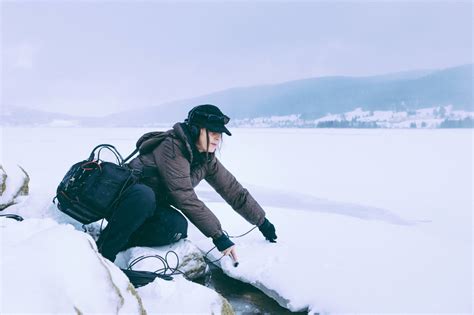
{"type": "Point", "coordinates": [268, 230]}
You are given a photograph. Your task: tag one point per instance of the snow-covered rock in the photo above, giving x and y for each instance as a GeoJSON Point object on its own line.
{"type": "Point", "coordinates": [183, 297]}
{"type": "Point", "coordinates": [182, 256]}
{"type": "Point", "coordinates": [52, 268]}
{"type": "Point", "coordinates": [163, 296]}
{"type": "Point", "coordinates": [13, 185]}
{"type": "Point", "coordinates": [50, 262]}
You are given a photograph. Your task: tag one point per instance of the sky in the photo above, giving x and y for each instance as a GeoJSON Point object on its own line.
{"type": "Point", "coordinates": [92, 58]}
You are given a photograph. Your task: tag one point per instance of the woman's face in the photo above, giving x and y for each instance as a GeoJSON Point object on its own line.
{"type": "Point", "coordinates": [214, 140]}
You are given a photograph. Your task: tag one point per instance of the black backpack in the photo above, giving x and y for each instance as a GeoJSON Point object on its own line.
{"type": "Point", "coordinates": [91, 188]}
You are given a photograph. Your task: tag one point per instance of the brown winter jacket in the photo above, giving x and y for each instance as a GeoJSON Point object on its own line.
{"type": "Point", "coordinates": [175, 167]}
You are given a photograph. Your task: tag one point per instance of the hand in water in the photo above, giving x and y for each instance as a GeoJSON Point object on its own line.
{"type": "Point", "coordinates": [232, 253]}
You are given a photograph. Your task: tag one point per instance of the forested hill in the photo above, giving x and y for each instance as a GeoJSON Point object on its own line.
{"type": "Point", "coordinates": [316, 97]}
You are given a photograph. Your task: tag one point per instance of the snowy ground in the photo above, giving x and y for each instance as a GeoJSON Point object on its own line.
{"type": "Point", "coordinates": [368, 220]}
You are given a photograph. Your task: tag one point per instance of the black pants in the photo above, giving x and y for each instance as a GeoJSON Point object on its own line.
{"type": "Point", "coordinates": [138, 221]}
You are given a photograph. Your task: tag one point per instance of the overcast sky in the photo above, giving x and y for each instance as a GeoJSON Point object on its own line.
{"type": "Point", "coordinates": [98, 57]}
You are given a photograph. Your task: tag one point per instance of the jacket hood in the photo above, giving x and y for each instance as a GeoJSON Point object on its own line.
{"type": "Point", "coordinates": [181, 132]}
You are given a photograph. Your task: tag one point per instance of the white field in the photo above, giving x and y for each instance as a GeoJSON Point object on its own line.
{"type": "Point", "coordinates": [368, 220]}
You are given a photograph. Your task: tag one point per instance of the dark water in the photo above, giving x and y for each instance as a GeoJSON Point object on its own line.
{"type": "Point", "coordinates": [243, 297]}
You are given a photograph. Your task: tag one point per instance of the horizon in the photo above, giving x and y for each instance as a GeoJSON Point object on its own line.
{"type": "Point", "coordinates": [136, 55]}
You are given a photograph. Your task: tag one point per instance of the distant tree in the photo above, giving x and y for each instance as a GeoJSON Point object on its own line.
{"type": "Point", "coordinates": [467, 122]}
{"type": "Point", "coordinates": [413, 125]}
{"type": "Point", "coordinates": [346, 124]}
{"type": "Point", "coordinates": [442, 112]}
{"type": "Point", "coordinates": [423, 125]}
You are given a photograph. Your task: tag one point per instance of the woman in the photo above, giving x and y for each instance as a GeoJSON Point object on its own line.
{"type": "Point", "coordinates": [146, 215]}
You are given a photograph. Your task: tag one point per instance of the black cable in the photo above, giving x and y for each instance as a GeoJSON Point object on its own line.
{"type": "Point", "coordinates": [242, 234]}
{"type": "Point", "coordinates": [162, 272]}
{"type": "Point", "coordinates": [212, 261]}
{"type": "Point", "coordinates": [12, 216]}
{"type": "Point", "coordinates": [141, 278]}
{"type": "Point", "coordinates": [167, 271]}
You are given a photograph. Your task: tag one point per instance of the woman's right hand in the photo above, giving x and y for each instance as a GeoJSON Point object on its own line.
{"type": "Point", "coordinates": [231, 252]}
{"type": "Point", "coordinates": [226, 247]}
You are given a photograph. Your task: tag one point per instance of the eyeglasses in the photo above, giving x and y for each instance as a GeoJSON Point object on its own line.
{"type": "Point", "coordinates": [212, 118]}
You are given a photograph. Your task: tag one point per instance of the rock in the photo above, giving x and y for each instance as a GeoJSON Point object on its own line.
{"type": "Point", "coordinates": [3, 180]}
{"type": "Point", "coordinates": [12, 187]}
{"type": "Point", "coordinates": [24, 188]}
{"type": "Point", "coordinates": [226, 307]}
{"type": "Point", "coordinates": [192, 261]}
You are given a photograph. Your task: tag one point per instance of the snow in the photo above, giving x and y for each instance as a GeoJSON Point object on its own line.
{"type": "Point", "coordinates": [180, 295]}
{"type": "Point", "coordinates": [368, 221]}
{"type": "Point", "coordinates": [57, 269]}
{"type": "Point", "coordinates": [63, 123]}
{"type": "Point", "coordinates": [50, 268]}
{"type": "Point", "coordinates": [351, 265]}
{"type": "Point", "coordinates": [382, 115]}
{"type": "Point", "coordinates": [329, 117]}
{"type": "Point", "coordinates": [358, 112]}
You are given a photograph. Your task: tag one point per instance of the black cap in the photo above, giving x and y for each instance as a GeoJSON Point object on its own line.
{"type": "Point", "coordinates": [210, 117]}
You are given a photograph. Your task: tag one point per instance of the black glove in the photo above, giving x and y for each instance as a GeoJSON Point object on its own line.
{"type": "Point", "coordinates": [268, 230]}
{"type": "Point", "coordinates": [222, 242]}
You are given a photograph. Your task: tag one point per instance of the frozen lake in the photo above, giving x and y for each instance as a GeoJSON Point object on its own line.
{"type": "Point", "coordinates": [418, 174]}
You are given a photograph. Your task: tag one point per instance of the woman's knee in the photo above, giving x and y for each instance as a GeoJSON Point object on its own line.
{"type": "Point", "coordinates": [181, 230]}
{"type": "Point", "coordinates": [166, 227]}
{"type": "Point", "coordinates": [176, 224]}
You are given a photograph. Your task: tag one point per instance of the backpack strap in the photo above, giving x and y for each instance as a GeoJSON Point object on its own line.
{"type": "Point", "coordinates": [130, 155]}
{"type": "Point", "coordinates": [152, 139]}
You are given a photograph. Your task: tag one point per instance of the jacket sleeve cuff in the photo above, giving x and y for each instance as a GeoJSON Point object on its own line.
{"type": "Point", "coordinates": [222, 242]}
